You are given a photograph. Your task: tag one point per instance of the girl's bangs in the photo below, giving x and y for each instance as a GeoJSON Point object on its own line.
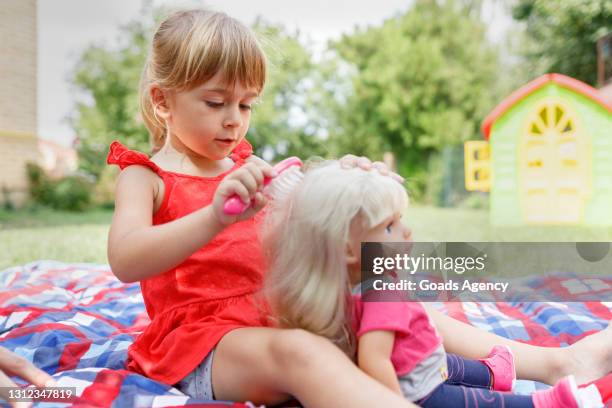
{"type": "Point", "coordinates": [233, 52]}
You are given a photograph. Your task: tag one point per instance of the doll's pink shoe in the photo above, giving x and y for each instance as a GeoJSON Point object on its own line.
{"type": "Point", "coordinates": [563, 395]}
{"type": "Point", "coordinates": [501, 363]}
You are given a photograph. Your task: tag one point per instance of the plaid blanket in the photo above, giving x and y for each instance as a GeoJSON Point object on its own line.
{"type": "Point", "coordinates": [76, 321]}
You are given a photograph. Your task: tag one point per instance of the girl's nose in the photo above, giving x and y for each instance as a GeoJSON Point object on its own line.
{"type": "Point", "coordinates": [233, 118]}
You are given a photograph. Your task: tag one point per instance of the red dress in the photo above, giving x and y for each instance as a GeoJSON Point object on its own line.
{"type": "Point", "coordinates": [193, 305]}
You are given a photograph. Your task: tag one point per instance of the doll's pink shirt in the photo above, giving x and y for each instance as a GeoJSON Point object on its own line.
{"type": "Point", "coordinates": [415, 336]}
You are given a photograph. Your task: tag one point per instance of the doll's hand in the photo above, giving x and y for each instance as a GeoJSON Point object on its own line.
{"type": "Point", "coordinates": [350, 161]}
{"type": "Point", "coordinates": [246, 183]}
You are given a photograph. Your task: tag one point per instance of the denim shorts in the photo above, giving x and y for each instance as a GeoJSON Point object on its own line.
{"type": "Point", "coordinates": [198, 383]}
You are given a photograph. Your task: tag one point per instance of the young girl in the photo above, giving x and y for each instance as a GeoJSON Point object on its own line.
{"type": "Point", "coordinates": [313, 243]}
{"type": "Point", "coordinates": [198, 267]}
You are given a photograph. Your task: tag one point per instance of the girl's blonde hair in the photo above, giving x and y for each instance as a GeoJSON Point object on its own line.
{"type": "Point", "coordinates": [190, 47]}
{"type": "Point", "coordinates": [305, 238]}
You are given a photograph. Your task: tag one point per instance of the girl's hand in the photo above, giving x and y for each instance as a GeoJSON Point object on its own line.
{"type": "Point", "coordinates": [350, 161]}
{"type": "Point", "coordinates": [246, 182]}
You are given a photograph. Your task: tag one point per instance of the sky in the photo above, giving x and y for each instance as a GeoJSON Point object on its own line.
{"type": "Point", "coordinates": [67, 27]}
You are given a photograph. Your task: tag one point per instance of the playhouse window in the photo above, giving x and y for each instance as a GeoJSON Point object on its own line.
{"type": "Point", "coordinates": [544, 116]}
{"type": "Point", "coordinates": [481, 174]}
{"type": "Point", "coordinates": [558, 114]}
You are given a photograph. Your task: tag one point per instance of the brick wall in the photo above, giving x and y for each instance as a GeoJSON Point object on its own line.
{"type": "Point", "coordinates": [15, 152]}
{"type": "Point", "coordinates": [18, 126]}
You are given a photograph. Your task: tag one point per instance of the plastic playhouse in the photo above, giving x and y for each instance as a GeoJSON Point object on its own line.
{"type": "Point", "coordinates": [547, 155]}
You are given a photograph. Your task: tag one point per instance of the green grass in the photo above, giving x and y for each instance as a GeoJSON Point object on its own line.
{"type": "Point", "coordinates": [35, 234]}
{"type": "Point", "coordinates": [466, 225]}
{"type": "Point", "coordinates": [34, 217]}
{"type": "Point", "coordinates": [431, 224]}
{"type": "Point", "coordinates": [38, 233]}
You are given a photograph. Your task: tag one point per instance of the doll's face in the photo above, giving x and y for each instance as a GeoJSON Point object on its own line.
{"type": "Point", "coordinates": [390, 230]}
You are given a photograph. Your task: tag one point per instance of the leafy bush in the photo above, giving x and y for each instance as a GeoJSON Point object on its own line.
{"type": "Point", "coordinates": [104, 192]}
{"type": "Point", "coordinates": [41, 186]}
{"type": "Point", "coordinates": [72, 193]}
{"type": "Point", "coordinates": [7, 204]}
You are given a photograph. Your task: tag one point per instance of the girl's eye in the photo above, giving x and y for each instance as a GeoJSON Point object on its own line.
{"type": "Point", "coordinates": [245, 107]}
{"type": "Point", "coordinates": [214, 104]}
{"type": "Point", "coordinates": [389, 227]}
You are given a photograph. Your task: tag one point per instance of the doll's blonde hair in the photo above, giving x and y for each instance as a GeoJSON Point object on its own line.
{"type": "Point", "coordinates": [190, 47]}
{"type": "Point", "coordinates": [305, 238]}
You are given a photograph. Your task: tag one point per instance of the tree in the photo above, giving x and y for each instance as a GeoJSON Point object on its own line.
{"type": "Point", "coordinates": [107, 81]}
{"type": "Point", "coordinates": [281, 124]}
{"type": "Point", "coordinates": [422, 81]}
{"type": "Point", "coordinates": [564, 34]}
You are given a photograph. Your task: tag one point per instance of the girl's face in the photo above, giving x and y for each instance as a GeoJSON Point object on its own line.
{"type": "Point", "coordinates": [211, 119]}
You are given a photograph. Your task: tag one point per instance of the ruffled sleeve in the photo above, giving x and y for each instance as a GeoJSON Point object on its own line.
{"type": "Point", "coordinates": [123, 157]}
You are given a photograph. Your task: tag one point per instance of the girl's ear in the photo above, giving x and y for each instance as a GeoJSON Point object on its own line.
{"type": "Point", "coordinates": [159, 98]}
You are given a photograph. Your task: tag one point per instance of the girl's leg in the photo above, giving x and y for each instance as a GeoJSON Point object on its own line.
{"type": "Point", "coordinates": [587, 359]}
{"type": "Point", "coordinates": [471, 373]}
{"type": "Point", "coordinates": [457, 396]}
{"type": "Point", "coordinates": [267, 365]}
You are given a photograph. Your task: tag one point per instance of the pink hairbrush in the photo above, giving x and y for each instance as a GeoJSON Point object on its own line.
{"type": "Point", "coordinates": [289, 175]}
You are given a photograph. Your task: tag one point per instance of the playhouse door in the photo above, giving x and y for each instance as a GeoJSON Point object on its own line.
{"type": "Point", "coordinates": [554, 166]}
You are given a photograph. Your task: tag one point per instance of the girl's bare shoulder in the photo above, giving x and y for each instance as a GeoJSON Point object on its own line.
{"type": "Point", "coordinates": [138, 182]}
{"type": "Point", "coordinates": [137, 174]}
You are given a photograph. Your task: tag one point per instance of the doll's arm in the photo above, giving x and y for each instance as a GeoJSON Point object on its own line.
{"type": "Point", "coordinates": [374, 357]}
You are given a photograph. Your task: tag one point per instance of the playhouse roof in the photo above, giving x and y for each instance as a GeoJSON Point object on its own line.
{"type": "Point", "coordinates": [526, 90]}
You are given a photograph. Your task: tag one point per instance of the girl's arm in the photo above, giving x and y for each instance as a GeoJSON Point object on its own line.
{"type": "Point", "coordinates": [374, 357]}
{"type": "Point", "coordinates": [138, 250]}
